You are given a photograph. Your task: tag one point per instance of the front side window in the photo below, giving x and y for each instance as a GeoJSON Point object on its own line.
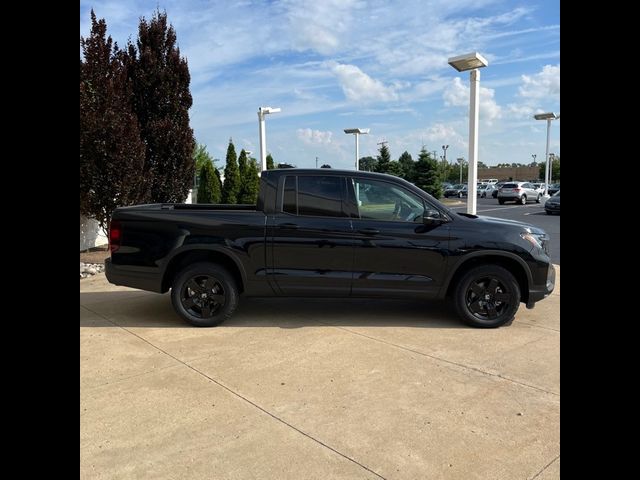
{"type": "Point", "coordinates": [385, 201]}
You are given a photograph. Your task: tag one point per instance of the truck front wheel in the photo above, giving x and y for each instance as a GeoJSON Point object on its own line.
{"type": "Point", "coordinates": [487, 296]}
{"type": "Point", "coordinates": [204, 294]}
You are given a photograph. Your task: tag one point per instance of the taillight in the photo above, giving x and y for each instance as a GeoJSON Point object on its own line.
{"type": "Point", "coordinates": [516, 189]}
{"type": "Point", "coordinates": [115, 235]}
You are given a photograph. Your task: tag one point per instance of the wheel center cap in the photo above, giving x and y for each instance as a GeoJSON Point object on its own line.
{"type": "Point", "coordinates": [487, 297]}
{"type": "Point", "coordinates": [203, 295]}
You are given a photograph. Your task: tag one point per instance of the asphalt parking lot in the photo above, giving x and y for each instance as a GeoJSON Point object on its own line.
{"type": "Point", "coordinates": [532, 213]}
{"type": "Point", "coordinates": [315, 388]}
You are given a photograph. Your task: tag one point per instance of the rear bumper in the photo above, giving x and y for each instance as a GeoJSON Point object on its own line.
{"type": "Point", "coordinates": [144, 278]}
{"type": "Point", "coordinates": [539, 292]}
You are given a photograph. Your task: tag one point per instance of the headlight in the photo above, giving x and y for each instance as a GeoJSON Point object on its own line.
{"type": "Point", "coordinates": [539, 240]}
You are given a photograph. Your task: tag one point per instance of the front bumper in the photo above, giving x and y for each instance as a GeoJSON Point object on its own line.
{"type": "Point", "coordinates": [537, 293]}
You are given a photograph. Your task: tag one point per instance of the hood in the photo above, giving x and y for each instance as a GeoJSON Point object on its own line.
{"type": "Point", "coordinates": [504, 222]}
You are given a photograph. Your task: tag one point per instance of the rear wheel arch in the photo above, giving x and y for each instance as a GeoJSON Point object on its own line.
{"type": "Point", "coordinates": [194, 255]}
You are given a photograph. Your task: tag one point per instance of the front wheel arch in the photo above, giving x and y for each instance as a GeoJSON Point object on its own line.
{"type": "Point", "coordinates": [515, 265]}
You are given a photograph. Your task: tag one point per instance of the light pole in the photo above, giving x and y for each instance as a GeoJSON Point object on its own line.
{"type": "Point", "coordinates": [548, 116]}
{"type": "Point", "coordinates": [552, 157]}
{"type": "Point", "coordinates": [461, 161]}
{"type": "Point", "coordinates": [262, 111]}
{"type": "Point", "coordinates": [444, 158]}
{"type": "Point", "coordinates": [357, 132]}
{"type": "Point", "coordinates": [472, 62]}
{"type": "Point", "coordinates": [533, 155]}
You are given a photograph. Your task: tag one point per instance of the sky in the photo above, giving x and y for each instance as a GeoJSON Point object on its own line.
{"type": "Point", "coordinates": [382, 65]}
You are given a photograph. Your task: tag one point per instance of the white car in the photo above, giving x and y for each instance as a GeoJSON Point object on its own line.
{"type": "Point", "coordinates": [485, 190]}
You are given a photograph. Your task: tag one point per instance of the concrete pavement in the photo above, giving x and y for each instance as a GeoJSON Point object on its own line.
{"type": "Point", "coordinates": [310, 388]}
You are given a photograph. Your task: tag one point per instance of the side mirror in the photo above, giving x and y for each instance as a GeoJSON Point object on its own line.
{"type": "Point", "coordinates": [432, 217]}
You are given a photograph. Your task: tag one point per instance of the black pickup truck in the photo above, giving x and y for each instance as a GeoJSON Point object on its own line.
{"type": "Point", "coordinates": [329, 233]}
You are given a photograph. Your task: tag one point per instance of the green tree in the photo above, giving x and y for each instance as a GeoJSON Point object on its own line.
{"type": "Point", "coordinates": [367, 164]}
{"type": "Point", "coordinates": [395, 168]}
{"type": "Point", "coordinates": [251, 183]}
{"type": "Point", "coordinates": [555, 169]}
{"type": "Point", "coordinates": [408, 166]}
{"type": "Point", "coordinates": [201, 156]}
{"type": "Point", "coordinates": [231, 186]}
{"type": "Point", "coordinates": [111, 151]}
{"type": "Point", "coordinates": [270, 164]}
{"type": "Point", "coordinates": [482, 165]}
{"type": "Point", "coordinates": [249, 180]}
{"type": "Point", "coordinates": [427, 174]}
{"type": "Point", "coordinates": [162, 100]}
{"type": "Point", "coordinates": [209, 188]}
{"type": "Point", "coordinates": [383, 159]}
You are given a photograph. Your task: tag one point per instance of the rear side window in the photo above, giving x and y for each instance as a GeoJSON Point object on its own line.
{"type": "Point", "coordinates": [313, 195]}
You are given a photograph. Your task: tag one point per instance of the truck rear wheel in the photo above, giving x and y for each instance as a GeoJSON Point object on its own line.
{"type": "Point", "coordinates": [487, 296]}
{"type": "Point", "coordinates": [204, 294]}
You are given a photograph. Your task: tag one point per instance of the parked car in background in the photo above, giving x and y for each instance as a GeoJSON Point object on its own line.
{"type": "Point", "coordinates": [459, 190]}
{"type": "Point", "coordinates": [485, 190]}
{"type": "Point", "coordinates": [554, 188]}
{"type": "Point", "coordinates": [519, 192]}
{"type": "Point", "coordinates": [539, 187]}
{"type": "Point", "coordinates": [552, 205]}
{"type": "Point", "coordinates": [496, 187]}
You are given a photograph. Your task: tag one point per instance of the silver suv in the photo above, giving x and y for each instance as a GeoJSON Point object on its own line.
{"type": "Point", "coordinates": [519, 192]}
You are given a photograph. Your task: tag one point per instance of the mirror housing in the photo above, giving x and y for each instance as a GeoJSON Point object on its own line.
{"type": "Point", "coordinates": [432, 217]}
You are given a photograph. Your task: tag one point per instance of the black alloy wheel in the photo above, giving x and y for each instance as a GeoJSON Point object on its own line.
{"type": "Point", "coordinates": [487, 296]}
{"type": "Point", "coordinates": [204, 294]}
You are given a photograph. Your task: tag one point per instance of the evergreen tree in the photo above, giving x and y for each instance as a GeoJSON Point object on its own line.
{"type": "Point", "coordinates": [209, 188]}
{"type": "Point", "coordinates": [408, 166]}
{"type": "Point", "coordinates": [395, 168]}
{"type": "Point", "coordinates": [111, 151]}
{"type": "Point", "coordinates": [367, 164]}
{"type": "Point", "coordinates": [270, 164]}
{"type": "Point", "coordinates": [161, 101]}
{"type": "Point", "coordinates": [251, 183]}
{"type": "Point", "coordinates": [427, 175]}
{"type": "Point", "coordinates": [383, 159]}
{"type": "Point", "coordinates": [249, 179]}
{"type": "Point", "coordinates": [231, 186]}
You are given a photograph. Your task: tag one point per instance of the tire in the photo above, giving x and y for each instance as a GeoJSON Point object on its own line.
{"type": "Point", "coordinates": [548, 212]}
{"type": "Point", "coordinates": [487, 296]}
{"type": "Point", "coordinates": [523, 200]}
{"type": "Point", "coordinates": [501, 201]}
{"type": "Point", "coordinates": [538, 199]}
{"type": "Point", "coordinates": [215, 283]}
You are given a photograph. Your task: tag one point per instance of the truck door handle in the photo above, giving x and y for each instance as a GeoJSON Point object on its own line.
{"type": "Point", "coordinates": [369, 231]}
{"type": "Point", "coordinates": [290, 226]}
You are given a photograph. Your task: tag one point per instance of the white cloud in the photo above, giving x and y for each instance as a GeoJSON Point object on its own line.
{"type": "Point", "coordinates": [443, 133]}
{"type": "Point", "coordinates": [316, 137]}
{"type": "Point", "coordinates": [537, 93]}
{"type": "Point", "coordinates": [318, 26]}
{"type": "Point", "coordinates": [457, 95]}
{"type": "Point", "coordinates": [544, 84]}
{"type": "Point", "coordinates": [360, 87]}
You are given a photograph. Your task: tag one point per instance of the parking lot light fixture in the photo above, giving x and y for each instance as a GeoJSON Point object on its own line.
{"type": "Point", "coordinates": [472, 62]}
{"type": "Point", "coordinates": [262, 111]}
{"type": "Point", "coordinates": [548, 116]}
{"type": "Point", "coordinates": [357, 132]}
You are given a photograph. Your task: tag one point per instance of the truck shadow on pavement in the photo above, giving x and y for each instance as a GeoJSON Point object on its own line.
{"type": "Point", "coordinates": [143, 309]}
